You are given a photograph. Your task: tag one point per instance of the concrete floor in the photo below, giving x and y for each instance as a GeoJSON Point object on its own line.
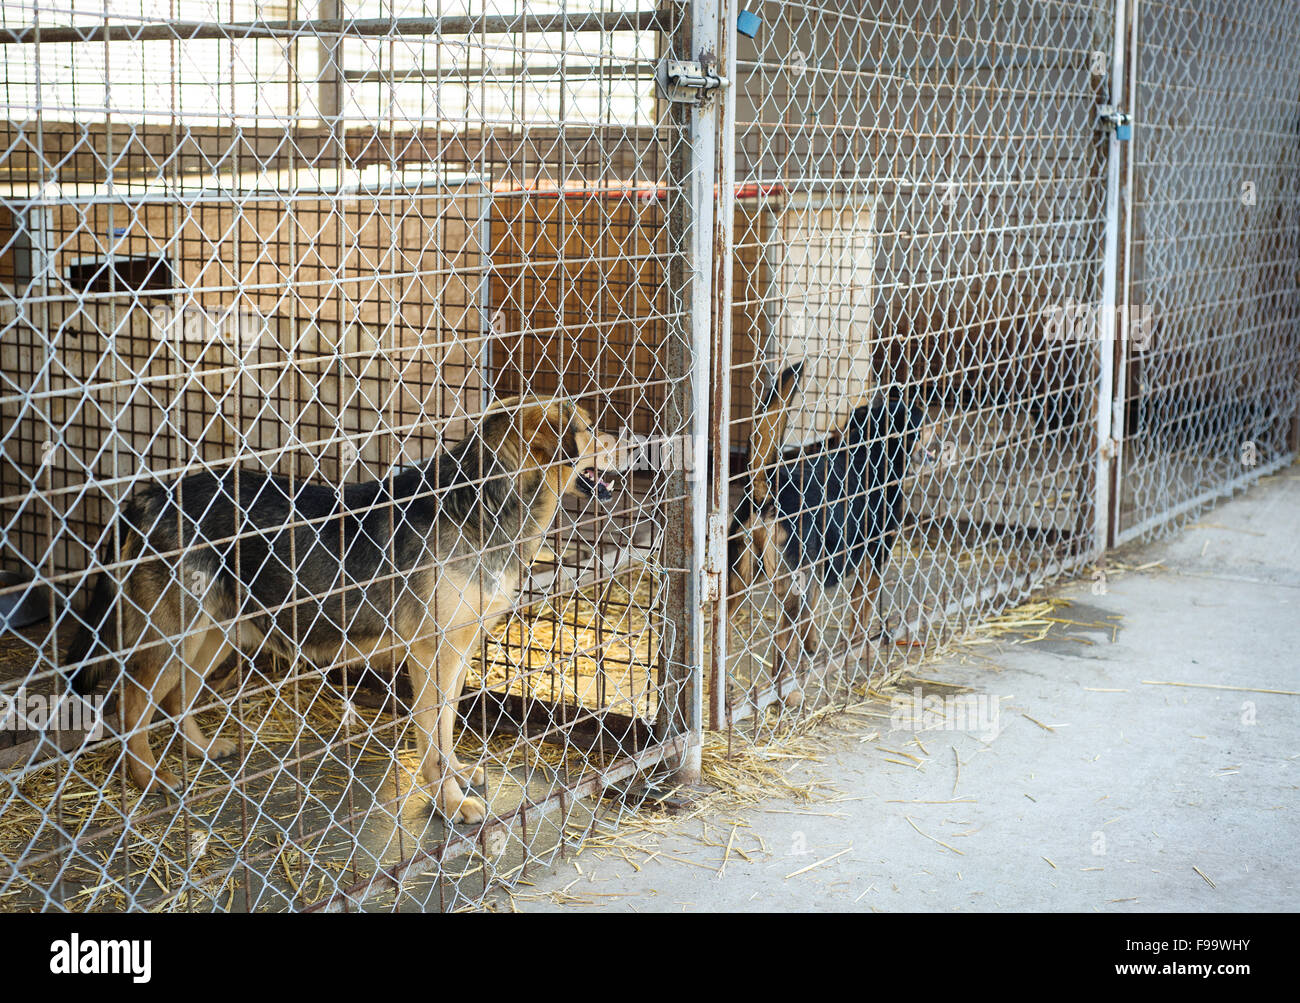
{"type": "Point", "coordinates": [1111, 798]}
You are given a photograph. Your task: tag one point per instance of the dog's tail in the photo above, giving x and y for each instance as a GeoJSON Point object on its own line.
{"type": "Point", "coordinates": [769, 432]}
{"type": "Point", "coordinates": [85, 679]}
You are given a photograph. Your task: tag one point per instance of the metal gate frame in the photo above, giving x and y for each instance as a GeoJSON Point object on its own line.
{"type": "Point", "coordinates": [673, 740]}
{"type": "Point", "coordinates": [1122, 527]}
{"type": "Point", "coordinates": [715, 562]}
{"type": "Point", "coordinates": [1120, 128]}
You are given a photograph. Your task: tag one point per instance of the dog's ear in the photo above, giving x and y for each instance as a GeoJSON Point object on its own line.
{"type": "Point", "coordinates": [927, 447]}
{"type": "Point", "coordinates": [769, 428]}
{"type": "Point", "coordinates": [549, 432]}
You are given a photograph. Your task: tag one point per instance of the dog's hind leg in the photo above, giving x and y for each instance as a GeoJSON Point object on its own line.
{"type": "Point", "coordinates": [806, 620]}
{"type": "Point", "coordinates": [786, 585]}
{"type": "Point", "coordinates": [862, 600]}
{"type": "Point", "coordinates": [788, 649]}
{"type": "Point", "coordinates": [202, 654]}
{"type": "Point", "coordinates": [150, 676]}
{"type": "Point", "coordinates": [437, 671]}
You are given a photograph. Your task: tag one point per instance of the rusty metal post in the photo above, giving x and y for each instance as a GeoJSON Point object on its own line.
{"type": "Point", "coordinates": [720, 425]}
{"type": "Point", "coordinates": [692, 167]}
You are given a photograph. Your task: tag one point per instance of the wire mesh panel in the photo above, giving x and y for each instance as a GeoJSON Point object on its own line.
{"type": "Point", "coordinates": [326, 330]}
{"type": "Point", "coordinates": [355, 362]}
{"type": "Point", "coordinates": [921, 210]}
{"type": "Point", "coordinates": [1211, 382]}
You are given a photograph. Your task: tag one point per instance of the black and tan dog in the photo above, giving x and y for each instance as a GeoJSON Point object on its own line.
{"type": "Point", "coordinates": [827, 514]}
{"type": "Point", "coordinates": [421, 564]}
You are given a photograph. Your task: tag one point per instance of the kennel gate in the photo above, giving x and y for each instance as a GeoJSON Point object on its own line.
{"type": "Point", "coordinates": [318, 240]}
{"type": "Point", "coordinates": [1068, 232]}
{"type": "Point", "coordinates": [1206, 391]}
{"type": "Point", "coordinates": [940, 189]}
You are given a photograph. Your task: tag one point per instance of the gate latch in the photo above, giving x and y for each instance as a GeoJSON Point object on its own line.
{"type": "Point", "coordinates": [689, 81]}
{"type": "Point", "coordinates": [715, 557]}
{"type": "Point", "coordinates": [1121, 120]}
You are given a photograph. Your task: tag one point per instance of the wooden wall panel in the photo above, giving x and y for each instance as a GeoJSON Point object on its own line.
{"type": "Point", "coordinates": [578, 302]}
{"type": "Point", "coordinates": [332, 354]}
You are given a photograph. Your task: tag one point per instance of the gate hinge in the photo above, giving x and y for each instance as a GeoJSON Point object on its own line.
{"type": "Point", "coordinates": [1122, 121]}
{"type": "Point", "coordinates": [1109, 450]}
{"type": "Point", "coordinates": [715, 558]}
{"type": "Point", "coordinates": [689, 81]}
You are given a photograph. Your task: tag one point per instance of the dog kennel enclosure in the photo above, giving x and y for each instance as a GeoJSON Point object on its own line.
{"type": "Point", "coordinates": [320, 240]}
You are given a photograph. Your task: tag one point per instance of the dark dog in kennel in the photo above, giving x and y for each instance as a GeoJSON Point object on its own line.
{"type": "Point", "coordinates": [826, 514]}
{"type": "Point", "coordinates": [426, 566]}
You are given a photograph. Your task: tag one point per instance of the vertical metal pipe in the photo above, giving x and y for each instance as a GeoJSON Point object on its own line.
{"type": "Point", "coordinates": [485, 326]}
{"type": "Point", "coordinates": [1105, 340]}
{"type": "Point", "coordinates": [721, 423]}
{"type": "Point", "coordinates": [329, 88]}
{"type": "Point", "coordinates": [1119, 399]}
{"type": "Point", "coordinates": [690, 217]}
{"type": "Point", "coordinates": [703, 138]}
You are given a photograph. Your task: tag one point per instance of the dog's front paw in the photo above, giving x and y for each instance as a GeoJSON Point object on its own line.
{"type": "Point", "coordinates": [159, 781]}
{"type": "Point", "coordinates": [468, 811]}
{"type": "Point", "coordinates": [473, 776]}
{"type": "Point", "coordinates": [221, 748]}
{"type": "Point", "coordinates": [457, 807]}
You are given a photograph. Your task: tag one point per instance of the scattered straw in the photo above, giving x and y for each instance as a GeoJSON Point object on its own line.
{"type": "Point", "coordinates": [600, 648]}
{"type": "Point", "coordinates": [1215, 686]}
{"type": "Point", "coordinates": [946, 846]}
{"type": "Point", "coordinates": [726, 855]}
{"type": "Point", "coordinates": [819, 863]}
{"type": "Point", "coordinates": [897, 752]}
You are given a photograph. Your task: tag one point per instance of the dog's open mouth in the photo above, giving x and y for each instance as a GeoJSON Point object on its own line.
{"type": "Point", "coordinates": [925, 456]}
{"type": "Point", "coordinates": [594, 483]}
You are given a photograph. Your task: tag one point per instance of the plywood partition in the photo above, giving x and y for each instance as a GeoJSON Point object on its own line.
{"type": "Point", "coordinates": [822, 267]}
{"type": "Point", "coordinates": [577, 299]}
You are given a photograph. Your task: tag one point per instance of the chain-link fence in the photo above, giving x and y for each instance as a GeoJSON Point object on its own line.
{"type": "Point", "coordinates": [1010, 282]}
{"type": "Point", "coordinates": [1209, 380]}
{"type": "Point", "coordinates": [912, 430]}
{"type": "Point", "coordinates": [326, 329]}
{"type": "Point", "coordinates": [359, 361]}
